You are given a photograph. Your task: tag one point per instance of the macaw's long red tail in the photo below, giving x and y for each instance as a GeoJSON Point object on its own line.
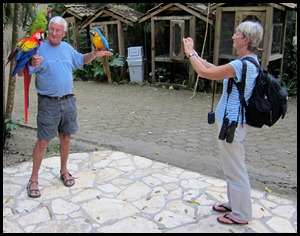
{"type": "Point", "coordinates": [26, 92]}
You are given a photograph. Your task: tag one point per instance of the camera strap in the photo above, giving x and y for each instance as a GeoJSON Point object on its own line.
{"type": "Point", "coordinates": [241, 88]}
{"type": "Point", "coordinates": [213, 96]}
{"type": "Point", "coordinates": [229, 89]}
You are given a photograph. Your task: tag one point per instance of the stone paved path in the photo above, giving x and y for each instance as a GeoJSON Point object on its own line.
{"type": "Point", "coordinates": [120, 192]}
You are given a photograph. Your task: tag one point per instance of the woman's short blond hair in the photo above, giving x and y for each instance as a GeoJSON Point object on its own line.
{"type": "Point", "coordinates": [253, 31]}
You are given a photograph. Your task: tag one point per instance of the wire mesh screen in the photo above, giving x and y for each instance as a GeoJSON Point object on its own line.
{"type": "Point", "coordinates": [200, 40]}
{"type": "Point", "coordinates": [278, 19]}
{"type": "Point", "coordinates": [113, 38]}
{"type": "Point", "coordinates": [227, 30]}
{"type": "Point", "coordinates": [133, 36]}
{"type": "Point", "coordinates": [69, 37]}
{"type": "Point", "coordinates": [162, 38]}
{"type": "Point", "coordinates": [177, 40]}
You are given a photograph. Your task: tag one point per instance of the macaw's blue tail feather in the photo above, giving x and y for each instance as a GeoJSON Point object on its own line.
{"type": "Point", "coordinates": [22, 59]}
{"type": "Point", "coordinates": [16, 69]}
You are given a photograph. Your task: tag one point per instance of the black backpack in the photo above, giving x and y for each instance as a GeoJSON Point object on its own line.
{"type": "Point", "coordinates": [268, 101]}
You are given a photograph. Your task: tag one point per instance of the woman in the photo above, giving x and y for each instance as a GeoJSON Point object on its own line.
{"type": "Point", "coordinates": [246, 39]}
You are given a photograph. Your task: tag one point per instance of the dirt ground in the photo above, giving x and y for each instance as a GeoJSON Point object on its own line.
{"type": "Point", "coordinates": [20, 146]}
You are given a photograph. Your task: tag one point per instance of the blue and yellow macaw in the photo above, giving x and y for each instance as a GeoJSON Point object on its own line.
{"type": "Point", "coordinates": [22, 53]}
{"type": "Point", "coordinates": [100, 43]}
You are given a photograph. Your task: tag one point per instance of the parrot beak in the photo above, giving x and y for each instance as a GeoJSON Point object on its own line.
{"type": "Point", "coordinates": [39, 34]}
{"type": "Point", "coordinates": [92, 32]}
{"type": "Point", "coordinates": [48, 15]}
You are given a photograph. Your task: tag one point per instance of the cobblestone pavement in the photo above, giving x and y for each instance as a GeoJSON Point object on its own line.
{"type": "Point", "coordinates": [171, 127]}
{"type": "Point", "coordinates": [124, 193]}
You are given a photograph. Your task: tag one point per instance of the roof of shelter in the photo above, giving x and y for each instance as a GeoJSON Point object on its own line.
{"type": "Point", "coordinates": [292, 6]}
{"type": "Point", "coordinates": [198, 9]}
{"type": "Point", "coordinates": [80, 11]}
{"type": "Point", "coordinates": [115, 11]}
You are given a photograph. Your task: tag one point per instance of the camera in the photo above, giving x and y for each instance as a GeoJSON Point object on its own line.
{"type": "Point", "coordinates": [227, 131]}
{"type": "Point", "coordinates": [211, 117]}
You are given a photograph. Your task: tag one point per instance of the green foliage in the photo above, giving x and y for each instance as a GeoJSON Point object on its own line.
{"type": "Point", "coordinates": [7, 14]}
{"type": "Point", "coordinates": [291, 85]}
{"type": "Point", "coordinates": [94, 71]}
{"type": "Point", "coordinates": [289, 74]}
{"type": "Point", "coordinates": [202, 86]}
{"type": "Point", "coordinates": [161, 74]}
{"type": "Point", "coordinates": [10, 126]}
{"type": "Point", "coordinates": [52, 148]}
{"type": "Point", "coordinates": [84, 74]}
{"type": "Point", "coordinates": [288, 77]}
{"type": "Point", "coordinates": [27, 14]}
{"type": "Point", "coordinates": [56, 8]}
{"type": "Point", "coordinates": [117, 61]}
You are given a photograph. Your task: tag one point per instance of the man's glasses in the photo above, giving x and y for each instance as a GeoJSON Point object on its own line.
{"type": "Point", "coordinates": [52, 30]}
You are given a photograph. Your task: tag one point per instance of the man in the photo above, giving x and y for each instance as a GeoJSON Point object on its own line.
{"type": "Point", "coordinates": [57, 111]}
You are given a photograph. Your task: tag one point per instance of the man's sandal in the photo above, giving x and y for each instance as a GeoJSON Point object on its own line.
{"type": "Point", "coordinates": [30, 190]}
{"type": "Point", "coordinates": [65, 180]}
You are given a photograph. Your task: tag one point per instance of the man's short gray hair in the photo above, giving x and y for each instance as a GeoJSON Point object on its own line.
{"type": "Point", "coordinates": [60, 21]}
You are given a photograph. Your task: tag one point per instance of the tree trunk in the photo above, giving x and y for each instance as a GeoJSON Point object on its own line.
{"type": "Point", "coordinates": [12, 80]}
{"type": "Point", "coordinates": [4, 126]}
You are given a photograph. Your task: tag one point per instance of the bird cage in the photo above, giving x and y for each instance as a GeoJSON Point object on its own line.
{"type": "Point", "coordinates": [177, 32]}
{"type": "Point", "coordinates": [270, 17]}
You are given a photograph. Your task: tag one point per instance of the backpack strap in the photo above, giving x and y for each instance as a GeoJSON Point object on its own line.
{"type": "Point", "coordinates": [241, 88]}
{"type": "Point", "coordinates": [251, 59]}
{"type": "Point", "coordinates": [241, 85]}
{"type": "Point", "coordinates": [264, 79]}
{"type": "Point", "coordinates": [229, 89]}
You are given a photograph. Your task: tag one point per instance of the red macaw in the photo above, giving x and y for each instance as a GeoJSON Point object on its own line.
{"type": "Point", "coordinates": [22, 53]}
{"type": "Point", "coordinates": [100, 43]}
